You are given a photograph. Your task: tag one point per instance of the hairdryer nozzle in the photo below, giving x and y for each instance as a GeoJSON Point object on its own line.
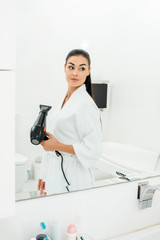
{"type": "Point", "coordinates": [44, 108]}
{"type": "Point", "coordinates": [38, 130]}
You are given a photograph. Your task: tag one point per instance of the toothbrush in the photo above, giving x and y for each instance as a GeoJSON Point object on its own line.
{"type": "Point", "coordinates": [43, 226]}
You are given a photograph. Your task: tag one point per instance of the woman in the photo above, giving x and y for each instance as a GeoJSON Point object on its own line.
{"type": "Point", "coordinates": [76, 132]}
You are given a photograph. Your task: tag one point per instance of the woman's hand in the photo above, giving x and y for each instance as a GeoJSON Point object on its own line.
{"type": "Point", "coordinates": [50, 144]}
{"type": "Point", "coordinates": [41, 187]}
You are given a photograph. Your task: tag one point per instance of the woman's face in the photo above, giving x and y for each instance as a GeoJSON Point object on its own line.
{"type": "Point", "coordinates": [76, 70]}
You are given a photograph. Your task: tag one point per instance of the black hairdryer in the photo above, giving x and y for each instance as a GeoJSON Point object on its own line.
{"type": "Point", "coordinates": [38, 130]}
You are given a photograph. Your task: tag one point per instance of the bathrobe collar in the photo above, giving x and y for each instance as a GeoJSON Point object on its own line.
{"type": "Point", "coordinates": [77, 91]}
{"type": "Point", "coordinates": [80, 89]}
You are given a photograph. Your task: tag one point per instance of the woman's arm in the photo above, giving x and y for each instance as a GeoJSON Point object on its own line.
{"type": "Point", "coordinates": [52, 144]}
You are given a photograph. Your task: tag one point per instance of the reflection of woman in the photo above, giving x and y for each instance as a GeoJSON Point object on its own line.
{"type": "Point", "coordinates": [75, 131]}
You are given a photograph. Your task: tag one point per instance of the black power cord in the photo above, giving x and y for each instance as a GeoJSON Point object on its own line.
{"type": "Point", "coordinates": [59, 154]}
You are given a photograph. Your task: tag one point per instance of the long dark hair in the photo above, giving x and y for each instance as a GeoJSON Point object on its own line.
{"type": "Point", "coordinates": [85, 54]}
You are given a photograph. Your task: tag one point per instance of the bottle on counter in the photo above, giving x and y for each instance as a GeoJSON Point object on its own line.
{"type": "Point", "coordinates": [71, 232]}
{"type": "Point", "coordinates": [41, 236]}
{"type": "Point", "coordinates": [55, 230]}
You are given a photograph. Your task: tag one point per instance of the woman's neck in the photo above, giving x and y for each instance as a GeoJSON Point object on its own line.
{"type": "Point", "coordinates": [70, 91]}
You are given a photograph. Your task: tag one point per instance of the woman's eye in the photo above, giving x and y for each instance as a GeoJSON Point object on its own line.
{"type": "Point", "coordinates": [70, 67]}
{"type": "Point", "coordinates": [82, 69]}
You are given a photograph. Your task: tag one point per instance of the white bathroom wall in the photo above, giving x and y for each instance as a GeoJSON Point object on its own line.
{"type": "Point", "coordinates": [135, 98]}
{"type": "Point", "coordinates": [105, 212]}
{"type": "Point", "coordinates": [7, 174]}
{"type": "Point", "coordinates": [122, 38]}
{"type": "Point", "coordinates": [46, 32]}
{"type": "Point", "coordinates": [7, 106]}
{"type": "Point", "coordinates": [7, 34]}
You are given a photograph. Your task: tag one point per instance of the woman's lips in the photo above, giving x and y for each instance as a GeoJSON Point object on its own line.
{"type": "Point", "coordinates": [74, 79]}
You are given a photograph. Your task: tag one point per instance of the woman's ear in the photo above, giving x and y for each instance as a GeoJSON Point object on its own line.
{"type": "Point", "coordinates": [89, 70]}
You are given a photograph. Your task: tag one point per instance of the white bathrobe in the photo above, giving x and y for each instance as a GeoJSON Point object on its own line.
{"type": "Point", "coordinates": [78, 124]}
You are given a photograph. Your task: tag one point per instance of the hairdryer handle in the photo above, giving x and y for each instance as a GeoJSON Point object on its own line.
{"type": "Point", "coordinates": [45, 138]}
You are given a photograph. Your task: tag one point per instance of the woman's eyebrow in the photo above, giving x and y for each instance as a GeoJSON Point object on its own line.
{"type": "Point", "coordinates": [79, 65]}
{"type": "Point", "coordinates": [82, 64]}
{"type": "Point", "coordinates": [71, 63]}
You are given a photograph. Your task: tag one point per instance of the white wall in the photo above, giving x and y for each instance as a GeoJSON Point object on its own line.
{"type": "Point", "coordinates": [122, 38]}
{"type": "Point", "coordinates": [7, 106]}
{"type": "Point", "coordinates": [7, 173]}
{"type": "Point", "coordinates": [135, 98]}
{"type": "Point", "coordinates": [46, 32]}
{"type": "Point", "coordinates": [107, 212]}
{"type": "Point", "coordinates": [7, 34]}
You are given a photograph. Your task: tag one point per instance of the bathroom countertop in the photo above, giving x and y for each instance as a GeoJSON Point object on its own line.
{"type": "Point", "coordinates": [29, 190]}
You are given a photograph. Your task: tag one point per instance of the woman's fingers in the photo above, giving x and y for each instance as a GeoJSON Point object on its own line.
{"type": "Point", "coordinates": [42, 143]}
{"type": "Point", "coordinates": [48, 134]}
{"type": "Point", "coordinates": [42, 193]}
{"type": "Point", "coordinates": [42, 190]}
{"type": "Point", "coordinates": [41, 185]}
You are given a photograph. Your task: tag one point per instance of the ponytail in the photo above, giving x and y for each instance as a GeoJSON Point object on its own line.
{"type": "Point", "coordinates": [89, 85]}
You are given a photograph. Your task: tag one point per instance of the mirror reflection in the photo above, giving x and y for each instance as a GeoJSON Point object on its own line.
{"type": "Point", "coordinates": [112, 143]}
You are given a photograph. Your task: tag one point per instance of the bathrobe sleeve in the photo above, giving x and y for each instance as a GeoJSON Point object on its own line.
{"type": "Point", "coordinates": [89, 148]}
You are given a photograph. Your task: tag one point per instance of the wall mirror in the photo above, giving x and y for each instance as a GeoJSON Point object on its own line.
{"type": "Point", "coordinates": [122, 38]}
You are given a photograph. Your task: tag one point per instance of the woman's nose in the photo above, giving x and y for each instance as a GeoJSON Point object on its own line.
{"type": "Point", "coordinates": [75, 72]}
